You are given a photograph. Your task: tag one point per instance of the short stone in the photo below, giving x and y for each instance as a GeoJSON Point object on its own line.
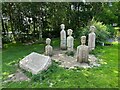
{"type": "Point", "coordinates": [48, 48]}
{"type": "Point", "coordinates": [35, 63]}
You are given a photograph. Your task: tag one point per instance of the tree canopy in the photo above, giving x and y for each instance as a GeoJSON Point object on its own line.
{"type": "Point", "coordinates": [34, 20]}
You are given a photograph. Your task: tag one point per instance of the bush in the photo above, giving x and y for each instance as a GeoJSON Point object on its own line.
{"type": "Point", "coordinates": [103, 31]}
{"type": "Point", "coordinates": [25, 38]}
{"type": "Point", "coordinates": [45, 74]}
{"type": "Point", "coordinates": [6, 39]}
{"type": "Point", "coordinates": [112, 31]}
{"type": "Point", "coordinates": [83, 31]}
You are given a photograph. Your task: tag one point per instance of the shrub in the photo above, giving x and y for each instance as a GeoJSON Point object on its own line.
{"type": "Point", "coordinates": [6, 39]}
{"type": "Point", "coordinates": [101, 32]}
{"type": "Point", "coordinates": [112, 31]}
{"type": "Point", "coordinates": [45, 74]}
{"type": "Point", "coordinates": [81, 32]}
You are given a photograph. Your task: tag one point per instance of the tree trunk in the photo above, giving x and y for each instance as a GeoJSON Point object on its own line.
{"type": "Point", "coordinates": [6, 27]}
{"type": "Point", "coordinates": [33, 27]}
{"type": "Point", "coordinates": [3, 28]}
{"type": "Point", "coordinates": [11, 23]}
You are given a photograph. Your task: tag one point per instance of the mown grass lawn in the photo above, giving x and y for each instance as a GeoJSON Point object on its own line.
{"type": "Point", "coordinates": [0, 68]}
{"type": "Point", "coordinates": [105, 76]}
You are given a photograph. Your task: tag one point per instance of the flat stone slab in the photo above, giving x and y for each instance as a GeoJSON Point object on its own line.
{"type": "Point", "coordinates": [35, 63]}
{"type": "Point", "coordinates": [18, 76]}
{"type": "Point", "coordinates": [71, 62]}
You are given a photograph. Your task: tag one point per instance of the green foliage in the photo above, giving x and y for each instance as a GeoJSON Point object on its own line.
{"type": "Point", "coordinates": [83, 31]}
{"type": "Point", "coordinates": [101, 33]}
{"type": "Point", "coordinates": [6, 39]}
{"type": "Point", "coordinates": [112, 31]}
{"type": "Point", "coordinates": [58, 77]}
{"type": "Point", "coordinates": [109, 13]}
{"type": "Point", "coordinates": [70, 53]}
{"type": "Point", "coordinates": [36, 18]}
{"type": "Point", "coordinates": [25, 38]}
{"type": "Point", "coordinates": [45, 74]}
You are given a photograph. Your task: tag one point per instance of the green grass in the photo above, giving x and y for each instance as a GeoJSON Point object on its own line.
{"type": "Point", "coordinates": [0, 68]}
{"type": "Point", "coordinates": [105, 76]}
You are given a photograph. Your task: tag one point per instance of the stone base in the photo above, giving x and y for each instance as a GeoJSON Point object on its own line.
{"type": "Point", "coordinates": [71, 62]}
{"type": "Point", "coordinates": [18, 76]}
{"type": "Point", "coordinates": [63, 48]}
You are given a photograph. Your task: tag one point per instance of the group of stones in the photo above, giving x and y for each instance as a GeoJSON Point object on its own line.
{"type": "Point", "coordinates": [36, 62]}
{"type": "Point", "coordinates": [68, 43]}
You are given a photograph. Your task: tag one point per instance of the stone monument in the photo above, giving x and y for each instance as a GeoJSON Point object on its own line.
{"type": "Point", "coordinates": [63, 37]}
{"type": "Point", "coordinates": [48, 48]}
{"type": "Point", "coordinates": [91, 38]}
{"type": "Point", "coordinates": [35, 63]}
{"type": "Point", "coordinates": [82, 51]}
{"type": "Point", "coordinates": [70, 41]}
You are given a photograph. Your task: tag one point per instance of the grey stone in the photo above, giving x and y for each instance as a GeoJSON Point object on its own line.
{"type": "Point", "coordinates": [82, 51]}
{"type": "Point", "coordinates": [91, 38]}
{"type": "Point", "coordinates": [62, 37]}
{"type": "Point", "coordinates": [35, 63]}
{"type": "Point", "coordinates": [70, 41]}
{"type": "Point", "coordinates": [48, 48]}
{"type": "Point", "coordinates": [71, 62]}
{"type": "Point", "coordinates": [18, 76]}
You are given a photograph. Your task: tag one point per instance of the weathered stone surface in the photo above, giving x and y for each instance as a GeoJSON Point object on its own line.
{"type": "Point", "coordinates": [91, 38]}
{"type": "Point", "coordinates": [62, 37]}
{"type": "Point", "coordinates": [82, 51]}
{"type": "Point", "coordinates": [48, 48]}
{"type": "Point", "coordinates": [35, 63]}
{"type": "Point", "coordinates": [70, 41]}
{"type": "Point", "coordinates": [71, 62]}
{"type": "Point", "coordinates": [16, 77]}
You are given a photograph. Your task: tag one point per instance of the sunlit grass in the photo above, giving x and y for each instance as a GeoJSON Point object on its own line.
{"type": "Point", "coordinates": [105, 76]}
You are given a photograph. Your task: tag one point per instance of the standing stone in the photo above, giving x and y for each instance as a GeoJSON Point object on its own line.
{"type": "Point", "coordinates": [82, 51]}
{"type": "Point", "coordinates": [91, 38]}
{"type": "Point", "coordinates": [63, 37]}
{"type": "Point", "coordinates": [70, 41]}
{"type": "Point", "coordinates": [35, 63]}
{"type": "Point", "coordinates": [48, 48]}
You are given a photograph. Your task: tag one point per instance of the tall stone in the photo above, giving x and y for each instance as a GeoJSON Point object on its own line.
{"type": "Point", "coordinates": [48, 48]}
{"type": "Point", "coordinates": [70, 41]}
{"type": "Point", "coordinates": [63, 37]}
{"type": "Point", "coordinates": [82, 51]}
{"type": "Point", "coordinates": [91, 38]}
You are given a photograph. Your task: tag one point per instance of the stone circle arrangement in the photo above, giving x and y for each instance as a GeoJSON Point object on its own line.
{"type": "Point", "coordinates": [35, 63]}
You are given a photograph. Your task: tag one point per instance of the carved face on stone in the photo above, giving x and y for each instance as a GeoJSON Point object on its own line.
{"type": "Point", "coordinates": [92, 28]}
{"type": "Point", "coordinates": [69, 31]}
{"type": "Point", "coordinates": [83, 40]}
{"type": "Point", "coordinates": [62, 26]}
{"type": "Point", "coordinates": [48, 41]}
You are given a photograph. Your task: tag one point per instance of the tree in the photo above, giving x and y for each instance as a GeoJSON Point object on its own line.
{"type": "Point", "coordinates": [33, 20]}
